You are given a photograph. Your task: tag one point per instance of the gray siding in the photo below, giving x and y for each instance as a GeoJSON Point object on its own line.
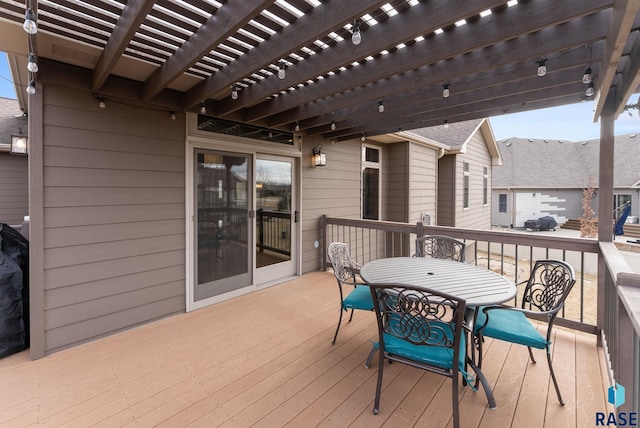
{"type": "Point", "coordinates": [559, 204]}
{"type": "Point", "coordinates": [478, 215]}
{"type": "Point", "coordinates": [14, 188]}
{"type": "Point", "coordinates": [423, 173]}
{"type": "Point", "coordinates": [113, 207]}
{"type": "Point", "coordinates": [333, 190]}
{"type": "Point", "coordinates": [447, 191]}
{"type": "Point", "coordinates": [397, 179]}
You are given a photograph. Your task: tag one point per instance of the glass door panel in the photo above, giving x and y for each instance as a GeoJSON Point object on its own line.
{"type": "Point", "coordinates": [223, 226]}
{"type": "Point", "coordinates": [273, 212]}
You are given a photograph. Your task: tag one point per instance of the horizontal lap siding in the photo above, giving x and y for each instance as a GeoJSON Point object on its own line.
{"type": "Point", "coordinates": [478, 215]}
{"type": "Point", "coordinates": [114, 196]}
{"type": "Point", "coordinates": [422, 181]}
{"type": "Point", "coordinates": [14, 190]}
{"type": "Point", "coordinates": [333, 190]}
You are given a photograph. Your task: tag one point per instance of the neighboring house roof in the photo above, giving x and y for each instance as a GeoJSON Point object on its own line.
{"type": "Point", "coordinates": [12, 121]}
{"type": "Point", "coordinates": [452, 138]}
{"type": "Point", "coordinates": [541, 163]}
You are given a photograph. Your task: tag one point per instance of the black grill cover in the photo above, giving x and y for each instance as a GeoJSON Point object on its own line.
{"type": "Point", "coordinates": [14, 291]}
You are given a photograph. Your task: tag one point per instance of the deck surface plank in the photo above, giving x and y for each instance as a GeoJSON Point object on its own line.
{"type": "Point", "coordinates": [266, 360]}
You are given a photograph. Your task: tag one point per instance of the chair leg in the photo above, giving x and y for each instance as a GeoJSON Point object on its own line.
{"type": "Point", "coordinates": [533, 360]}
{"type": "Point", "coordinates": [376, 403]}
{"type": "Point", "coordinates": [370, 357]}
{"type": "Point", "coordinates": [338, 328]}
{"type": "Point", "coordinates": [454, 402]}
{"type": "Point", "coordinates": [553, 377]}
{"type": "Point", "coordinates": [481, 378]}
{"type": "Point", "coordinates": [351, 316]}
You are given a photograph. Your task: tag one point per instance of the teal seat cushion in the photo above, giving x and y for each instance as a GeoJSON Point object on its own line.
{"type": "Point", "coordinates": [359, 298]}
{"type": "Point", "coordinates": [436, 356]}
{"type": "Point", "coordinates": [510, 326]}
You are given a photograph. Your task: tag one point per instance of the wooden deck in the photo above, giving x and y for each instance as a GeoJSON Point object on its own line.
{"type": "Point", "coordinates": [266, 360]}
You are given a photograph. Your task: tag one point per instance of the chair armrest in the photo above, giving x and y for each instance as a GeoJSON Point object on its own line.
{"type": "Point", "coordinates": [486, 310]}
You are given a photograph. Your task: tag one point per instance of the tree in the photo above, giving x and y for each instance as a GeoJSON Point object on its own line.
{"type": "Point", "coordinates": [588, 221]}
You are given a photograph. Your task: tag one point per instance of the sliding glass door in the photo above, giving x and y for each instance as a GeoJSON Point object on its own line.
{"type": "Point", "coordinates": [223, 235]}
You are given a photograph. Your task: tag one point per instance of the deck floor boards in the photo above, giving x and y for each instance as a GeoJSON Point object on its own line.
{"type": "Point", "coordinates": [266, 360]}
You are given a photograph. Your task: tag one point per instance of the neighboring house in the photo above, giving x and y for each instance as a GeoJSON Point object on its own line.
{"type": "Point", "coordinates": [466, 153]}
{"type": "Point", "coordinates": [547, 178]}
{"type": "Point", "coordinates": [14, 178]}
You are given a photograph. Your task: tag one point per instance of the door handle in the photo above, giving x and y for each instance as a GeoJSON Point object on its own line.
{"type": "Point", "coordinates": [295, 216]}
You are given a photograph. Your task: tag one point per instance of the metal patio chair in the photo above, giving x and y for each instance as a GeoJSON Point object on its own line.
{"type": "Point", "coordinates": [344, 270]}
{"type": "Point", "coordinates": [424, 329]}
{"type": "Point", "coordinates": [440, 247]}
{"type": "Point", "coordinates": [544, 295]}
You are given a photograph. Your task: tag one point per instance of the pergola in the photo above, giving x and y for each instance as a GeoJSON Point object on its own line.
{"type": "Point", "coordinates": [338, 69]}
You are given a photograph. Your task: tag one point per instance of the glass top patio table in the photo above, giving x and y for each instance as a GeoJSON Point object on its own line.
{"type": "Point", "coordinates": [478, 286]}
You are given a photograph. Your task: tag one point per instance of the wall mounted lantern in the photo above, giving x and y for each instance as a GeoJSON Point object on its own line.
{"type": "Point", "coordinates": [19, 145]}
{"type": "Point", "coordinates": [318, 158]}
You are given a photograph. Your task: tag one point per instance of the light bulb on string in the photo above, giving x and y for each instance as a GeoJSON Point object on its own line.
{"type": "Point", "coordinates": [446, 124]}
{"type": "Point", "coordinates": [445, 91]}
{"type": "Point", "coordinates": [586, 77]}
{"type": "Point", "coordinates": [356, 37]}
{"type": "Point", "coordinates": [333, 125]}
{"type": "Point", "coordinates": [281, 70]}
{"type": "Point", "coordinates": [203, 109]}
{"type": "Point", "coordinates": [32, 65]}
{"type": "Point", "coordinates": [381, 106]}
{"type": "Point", "coordinates": [542, 67]}
{"type": "Point", "coordinates": [234, 92]}
{"type": "Point", "coordinates": [31, 88]}
{"type": "Point", "coordinates": [363, 138]}
{"type": "Point", "coordinates": [590, 90]}
{"type": "Point", "coordinates": [30, 24]}
{"type": "Point", "coordinates": [101, 103]}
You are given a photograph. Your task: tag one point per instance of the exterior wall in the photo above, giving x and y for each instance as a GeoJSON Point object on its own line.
{"type": "Point", "coordinates": [559, 204]}
{"type": "Point", "coordinates": [113, 217]}
{"type": "Point", "coordinates": [397, 182]}
{"type": "Point", "coordinates": [478, 215]}
{"type": "Point", "coordinates": [14, 188]}
{"type": "Point", "coordinates": [423, 176]}
{"type": "Point", "coordinates": [333, 190]}
{"type": "Point", "coordinates": [447, 191]}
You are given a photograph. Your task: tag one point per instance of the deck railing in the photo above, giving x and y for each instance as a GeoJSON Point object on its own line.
{"type": "Point", "coordinates": [605, 299]}
{"type": "Point", "coordinates": [621, 324]}
{"type": "Point", "coordinates": [274, 231]}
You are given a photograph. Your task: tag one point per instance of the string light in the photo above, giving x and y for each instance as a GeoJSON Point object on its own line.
{"type": "Point", "coordinates": [297, 128]}
{"type": "Point", "coordinates": [542, 67]}
{"type": "Point", "coordinates": [381, 106]}
{"type": "Point", "coordinates": [445, 91]}
{"type": "Point", "coordinates": [32, 65]}
{"type": "Point", "coordinates": [101, 103]}
{"type": "Point", "coordinates": [333, 125]}
{"type": "Point", "coordinates": [363, 138]}
{"type": "Point", "coordinates": [30, 24]}
{"type": "Point", "coordinates": [446, 124]}
{"type": "Point", "coordinates": [590, 90]}
{"type": "Point", "coordinates": [586, 77]}
{"type": "Point", "coordinates": [356, 37]}
{"type": "Point", "coordinates": [281, 70]}
{"type": "Point", "coordinates": [234, 92]}
{"type": "Point", "coordinates": [31, 88]}
{"type": "Point", "coordinates": [172, 115]}
{"type": "Point", "coordinates": [203, 109]}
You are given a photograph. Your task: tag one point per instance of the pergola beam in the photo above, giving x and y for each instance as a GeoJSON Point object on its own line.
{"type": "Point", "coordinates": [533, 16]}
{"type": "Point", "coordinates": [630, 79]}
{"type": "Point", "coordinates": [230, 17]}
{"type": "Point", "coordinates": [624, 14]}
{"type": "Point", "coordinates": [503, 55]}
{"type": "Point", "coordinates": [416, 21]}
{"type": "Point", "coordinates": [133, 14]}
{"type": "Point", "coordinates": [308, 28]}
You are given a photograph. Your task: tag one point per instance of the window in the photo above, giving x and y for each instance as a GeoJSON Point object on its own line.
{"type": "Point", "coordinates": [465, 184]}
{"type": "Point", "coordinates": [370, 183]}
{"type": "Point", "coordinates": [502, 203]}
{"type": "Point", "coordinates": [485, 186]}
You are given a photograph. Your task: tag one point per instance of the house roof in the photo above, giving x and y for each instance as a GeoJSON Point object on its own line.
{"type": "Point", "coordinates": [558, 164]}
{"type": "Point", "coordinates": [183, 54]}
{"type": "Point", "coordinates": [12, 121]}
